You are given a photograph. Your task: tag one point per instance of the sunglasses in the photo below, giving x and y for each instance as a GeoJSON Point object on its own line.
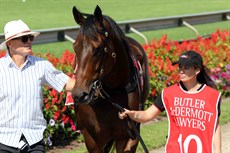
{"type": "Point", "coordinates": [25, 38]}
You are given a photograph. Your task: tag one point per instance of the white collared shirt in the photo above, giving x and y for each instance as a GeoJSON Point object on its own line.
{"type": "Point", "coordinates": [21, 98]}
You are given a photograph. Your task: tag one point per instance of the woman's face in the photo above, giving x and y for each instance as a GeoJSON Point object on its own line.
{"type": "Point", "coordinates": [188, 74]}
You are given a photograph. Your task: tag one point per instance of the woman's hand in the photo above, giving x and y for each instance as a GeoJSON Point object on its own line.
{"type": "Point", "coordinates": [128, 113]}
{"type": "Point", "coordinates": [123, 114]}
{"type": "Point", "coordinates": [140, 116]}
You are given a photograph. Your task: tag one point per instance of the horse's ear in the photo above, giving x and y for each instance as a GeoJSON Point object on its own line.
{"type": "Point", "coordinates": [98, 14]}
{"type": "Point", "coordinates": [79, 18]}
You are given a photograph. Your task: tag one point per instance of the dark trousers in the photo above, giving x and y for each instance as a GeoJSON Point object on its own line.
{"type": "Point", "coordinates": [36, 148]}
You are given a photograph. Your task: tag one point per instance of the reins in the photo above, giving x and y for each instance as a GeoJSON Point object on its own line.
{"type": "Point", "coordinates": [99, 90]}
{"type": "Point", "coordinates": [108, 98]}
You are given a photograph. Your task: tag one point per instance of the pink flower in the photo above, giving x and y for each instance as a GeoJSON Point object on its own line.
{"type": "Point", "coordinates": [73, 127]}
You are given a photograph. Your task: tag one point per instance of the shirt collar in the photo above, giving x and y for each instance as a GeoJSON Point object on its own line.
{"type": "Point", "coordinates": [10, 62]}
{"type": "Point", "coordinates": [183, 87]}
{"type": "Point", "coordinates": [29, 58]}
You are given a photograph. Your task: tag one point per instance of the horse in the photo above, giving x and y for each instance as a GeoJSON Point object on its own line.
{"type": "Point", "coordinates": [112, 71]}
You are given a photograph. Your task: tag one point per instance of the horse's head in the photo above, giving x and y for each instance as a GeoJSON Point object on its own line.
{"type": "Point", "coordinates": [100, 54]}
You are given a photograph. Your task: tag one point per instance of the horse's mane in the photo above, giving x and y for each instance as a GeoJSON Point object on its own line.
{"type": "Point", "coordinates": [117, 30]}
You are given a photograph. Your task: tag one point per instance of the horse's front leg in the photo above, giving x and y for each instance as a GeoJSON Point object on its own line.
{"type": "Point", "coordinates": [90, 143]}
{"type": "Point", "coordinates": [126, 145]}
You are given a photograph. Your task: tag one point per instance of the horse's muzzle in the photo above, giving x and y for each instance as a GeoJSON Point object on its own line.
{"type": "Point", "coordinates": [79, 96]}
{"type": "Point", "coordinates": [82, 98]}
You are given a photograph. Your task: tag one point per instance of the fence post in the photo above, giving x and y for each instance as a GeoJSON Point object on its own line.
{"type": "Point", "coordinates": [190, 27]}
{"type": "Point", "coordinates": [140, 34]}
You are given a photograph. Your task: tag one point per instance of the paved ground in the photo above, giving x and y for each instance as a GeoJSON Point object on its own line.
{"type": "Point", "coordinates": [225, 131]}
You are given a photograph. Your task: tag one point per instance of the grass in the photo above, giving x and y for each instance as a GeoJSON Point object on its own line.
{"type": "Point", "coordinates": [154, 134]}
{"type": "Point", "coordinates": [225, 113]}
{"type": "Point", "coordinates": [182, 33]}
{"type": "Point", "coordinates": [179, 33]}
{"type": "Point", "coordinates": [44, 14]}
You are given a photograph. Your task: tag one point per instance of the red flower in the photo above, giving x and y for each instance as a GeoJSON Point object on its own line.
{"type": "Point", "coordinates": [53, 93]}
{"type": "Point", "coordinates": [65, 118]}
{"type": "Point", "coordinates": [56, 115]}
{"type": "Point", "coordinates": [64, 109]}
{"type": "Point", "coordinates": [47, 106]}
{"type": "Point", "coordinates": [153, 93]}
{"type": "Point", "coordinates": [2, 53]}
{"type": "Point", "coordinates": [54, 100]}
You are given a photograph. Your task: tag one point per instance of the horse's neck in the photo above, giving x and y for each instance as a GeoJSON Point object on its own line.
{"type": "Point", "coordinates": [119, 76]}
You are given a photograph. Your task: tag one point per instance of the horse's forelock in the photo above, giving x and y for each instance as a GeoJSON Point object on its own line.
{"type": "Point", "coordinates": [90, 28]}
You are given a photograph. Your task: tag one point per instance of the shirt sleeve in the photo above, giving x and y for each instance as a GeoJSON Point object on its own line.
{"type": "Point", "coordinates": [159, 103]}
{"type": "Point", "coordinates": [55, 78]}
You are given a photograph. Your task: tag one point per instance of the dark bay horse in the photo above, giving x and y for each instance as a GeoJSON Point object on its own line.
{"type": "Point", "coordinates": [107, 73]}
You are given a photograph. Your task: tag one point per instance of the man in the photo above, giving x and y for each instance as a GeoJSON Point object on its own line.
{"type": "Point", "coordinates": [21, 79]}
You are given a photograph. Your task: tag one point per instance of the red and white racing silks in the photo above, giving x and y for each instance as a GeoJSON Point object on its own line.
{"type": "Point", "coordinates": [192, 119]}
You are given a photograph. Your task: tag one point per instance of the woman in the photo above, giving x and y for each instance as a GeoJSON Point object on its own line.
{"type": "Point", "coordinates": [192, 106]}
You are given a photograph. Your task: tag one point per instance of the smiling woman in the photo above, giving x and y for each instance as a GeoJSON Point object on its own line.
{"type": "Point", "coordinates": [191, 112]}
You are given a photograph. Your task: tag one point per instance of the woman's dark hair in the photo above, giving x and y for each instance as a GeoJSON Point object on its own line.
{"type": "Point", "coordinates": [204, 78]}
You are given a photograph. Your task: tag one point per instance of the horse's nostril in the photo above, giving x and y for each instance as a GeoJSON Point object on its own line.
{"type": "Point", "coordinates": [83, 97]}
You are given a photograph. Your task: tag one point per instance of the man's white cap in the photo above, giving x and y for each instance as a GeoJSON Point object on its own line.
{"type": "Point", "coordinates": [14, 29]}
